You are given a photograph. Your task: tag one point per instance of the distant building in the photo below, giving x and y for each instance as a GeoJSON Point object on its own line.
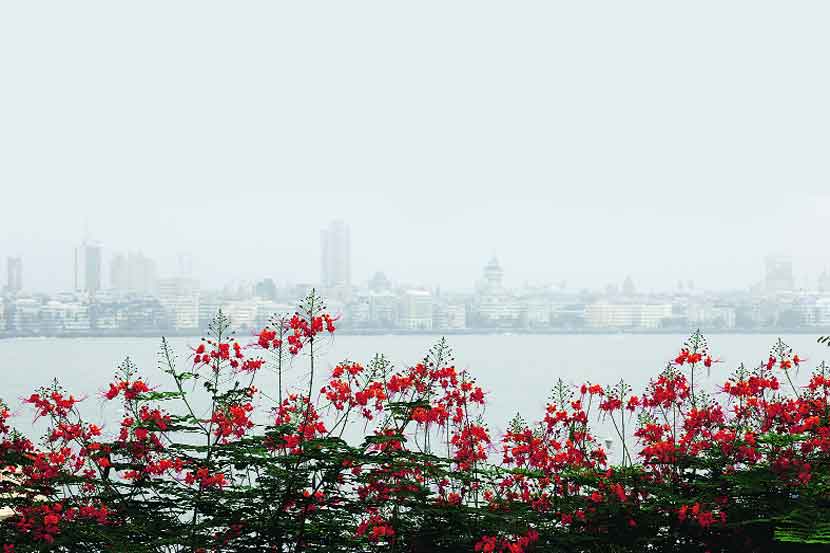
{"type": "Point", "coordinates": [14, 282]}
{"type": "Point", "coordinates": [118, 272]}
{"type": "Point", "coordinates": [180, 299]}
{"type": "Point", "coordinates": [568, 315]}
{"type": "Point", "coordinates": [145, 315]}
{"type": "Point", "coordinates": [604, 314]}
{"type": "Point", "coordinates": [239, 290]}
{"type": "Point", "coordinates": [64, 317]}
{"type": "Point", "coordinates": [24, 316]}
{"type": "Point", "coordinates": [628, 288]}
{"type": "Point", "coordinates": [358, 312]}
{"type": "Point", "coordinates": [822, 312]}
{"type": "Point", "coordinates": [336, 264]}
{"type": "Point", "coordinates": [416, 310]}
{"type": "Point", "coordinates": [108, 312]}
{"type": "Point", "coordinates": [88, 265]}
{"type": "Point", "coordinates": [803, 312]}
{"type": "Point", "coordinates": [379, 283]}
{"type": "Point", "coordinates": [448, 316]}
{"type": "Point", "coordinates": [266, 309]}
{"type": "Point", "coordinates": [536, 310]}
{"type": "Point", "coordinates": [133, 273]}
{"type": "Point", "coordinates": [242, 313]}
{"type": "Point", "coordinates": [824, 282]}
{"type": "Point", "coordinates": [383, 309]}
{"type": "Point", "coordinates": [209, 305]}
{"type": "Point", "coordinates": [711, 317]}
{"type": "Point", "coordinates": [266, 289]}
{"type": "Point", "coordinates": [653, 315]}
{"type": "Point", "coordinates": [778, 275]}
{"type": "Point", "coordinates": [494, 304]}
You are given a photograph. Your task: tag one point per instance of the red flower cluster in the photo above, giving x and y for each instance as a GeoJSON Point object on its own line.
{"type": "Point", "coordinates": [52, 403]}
{"type": "Point", "coordinates": [375, 528]}
{"type": "Point", "coordinates": [513, 544]}
{"type": "Point", "coordinates": [268, 339]}
{"type": "Point", "coordinates": [703, 517]}
{"type": "Point", "coordinates": [232, 420]}
{"type": "Point", "coordinates": [299, 415]}
{"type": "Point", "coordinates": [204, 478]}
{"type": "Point", "coordinates": [302, 329]}
{"type": "Point", "coordinates": [43, 522]}
{"type": "Point", "coordinates": [131, 390]}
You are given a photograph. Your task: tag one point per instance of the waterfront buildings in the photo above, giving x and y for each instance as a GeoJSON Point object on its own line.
{"type": "Point", "coordinates": [383, 308]}
{"type": "Point", "coordinates": [179, 296]}
{"type": "Point", "coordinates": [622, 315]}
{"type": "Point", "coordinates": [449, 316]}
{"type": "Point", "coordinates": [711, 315]}
{"type": "Point", "coordinates": [495, 305]}
{"type": "Point", "coordinates": [24, 316]}
{"type": "Point", "coordinates": [64, 315]}
{"type": "Point", "coordinates": [139, 303]}
{"type": "Point", "coordinates": [416, 311]}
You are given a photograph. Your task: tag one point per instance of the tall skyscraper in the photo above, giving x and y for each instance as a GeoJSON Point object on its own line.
{"type": "Point", "coordinates": [336, 249]}
{"type": "Point", "coordinates": [14, 283]}
{"type": "Point", "coordinates": [90, 260]}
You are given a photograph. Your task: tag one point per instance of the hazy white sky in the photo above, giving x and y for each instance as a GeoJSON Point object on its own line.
{"type": "Point", "coordinates": [580, 141]}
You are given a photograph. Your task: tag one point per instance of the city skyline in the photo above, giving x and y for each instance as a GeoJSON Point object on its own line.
{"type": "Point", "coordinates": [137, 299]}
{"type": "Point", "coordinates": [691, 160]}
{"type": "Point", "coordinates": [454, 275]}
{"type": "Point", "coordinates": [92, 261]}
{"type": "Point", "coordinates": [178, 304]}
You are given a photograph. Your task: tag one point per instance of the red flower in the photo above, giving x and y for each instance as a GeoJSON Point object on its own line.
{"type": "Point", "coordinates": [205, 479]}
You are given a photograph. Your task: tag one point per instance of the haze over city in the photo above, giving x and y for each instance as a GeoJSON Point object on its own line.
{"type": "Point", "coordinates": [436, 276]}
{"type": "Point", "coordinates": [580, 145]}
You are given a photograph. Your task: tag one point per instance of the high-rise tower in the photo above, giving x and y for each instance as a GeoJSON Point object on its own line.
{"type": "Point", "coordinates": [336, 259]}
{"type": "Point", "coordinates": [14, 283]}
{"type": "Point", "coordinates": [88, 265]}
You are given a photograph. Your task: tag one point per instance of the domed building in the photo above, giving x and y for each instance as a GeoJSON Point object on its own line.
{"type": "Point", "coordinates": [493, 275]}
{"type": "Point", "coordinates": [495, 306]}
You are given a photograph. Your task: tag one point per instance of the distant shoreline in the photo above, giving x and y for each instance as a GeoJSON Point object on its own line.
{"type": "Point", "coordinates": [445, 332]}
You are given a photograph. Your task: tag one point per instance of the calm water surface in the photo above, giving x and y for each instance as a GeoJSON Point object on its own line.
{"type": "Point", "coordinates": [518, 371]}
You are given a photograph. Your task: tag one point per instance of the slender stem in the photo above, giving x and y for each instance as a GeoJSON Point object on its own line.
{"type": "Point", "coordinates": [787, 372]}
{"type": "Point", "coordinates": [279, 361]}
{"type": "Point", "coordinates": [692, 387]}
